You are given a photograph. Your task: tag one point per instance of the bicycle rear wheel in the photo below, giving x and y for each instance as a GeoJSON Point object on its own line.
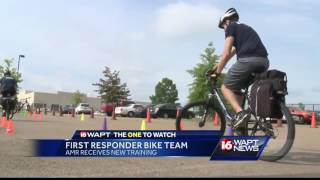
{"type": "Point", "coordinates": [200, 116]}
{"type": "Point", "coordinates": [282, 137]}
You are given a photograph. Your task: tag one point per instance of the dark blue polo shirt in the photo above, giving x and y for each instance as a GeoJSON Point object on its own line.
{"type": "Point", "coordinates": [246, 41]}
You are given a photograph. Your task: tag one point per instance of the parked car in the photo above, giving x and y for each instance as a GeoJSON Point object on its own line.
{"type": "Point", "coordinates": [143, 113]}
{"type": "Point", "coordinates": [168, 111]}
{"type": "Point", "coordinates": [83, 108]}
{"type": "Point", "coordinates": [99, 113]}
{"type": "Point", "coordinates": [300, 116]}
{"type": "Point", "coordinates": [107, 108]}
{"type": "Point", "coordinates": [130, 110]}
{"type": "Point", "coordinates": [67, 109]}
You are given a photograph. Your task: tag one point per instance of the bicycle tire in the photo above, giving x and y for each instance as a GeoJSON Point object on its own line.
{"type": "Point", "coordinates": [289, 140]}
{"type": "Point", "coordinates": [199, 103]}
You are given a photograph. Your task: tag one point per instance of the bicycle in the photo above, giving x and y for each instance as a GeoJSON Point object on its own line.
{"type": "Point", "coordinates": [11, 106]}
{"type": "Point", "coordinates": [279, 144]}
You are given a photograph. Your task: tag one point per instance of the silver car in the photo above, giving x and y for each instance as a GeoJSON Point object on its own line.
{"type": "Point", "coordinates": [83, 108]}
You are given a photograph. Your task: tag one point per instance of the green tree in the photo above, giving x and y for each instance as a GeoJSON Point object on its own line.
{"type": "Point", "coordinates": [301, 106]}
{"type": "Point", "coordinates": [77, 97]}
{"type": "Point", "coordinates": [8, 67]}
{"type": "Point", "coordinates": [165, 92]}
{"type": "Point", "coordinates": [110, 87]}
{"type": "Point", "coordinates": [199, 88]}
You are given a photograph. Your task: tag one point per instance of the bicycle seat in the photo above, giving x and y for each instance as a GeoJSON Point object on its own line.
{"type": "Point", "coordinates": [253, 76]}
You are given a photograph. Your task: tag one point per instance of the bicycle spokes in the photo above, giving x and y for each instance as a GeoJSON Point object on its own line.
{"type": "Point", "coordinates": [199, 116]}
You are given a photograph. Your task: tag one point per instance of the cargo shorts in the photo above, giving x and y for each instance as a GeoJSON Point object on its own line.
{"type": "Point", "coordinates": [240, 74]}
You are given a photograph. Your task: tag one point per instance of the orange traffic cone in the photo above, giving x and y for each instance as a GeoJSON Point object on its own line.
{"type": "Point", "coordinates": [216, 119]}
{"type": "Point", "coordinates": [148, 116]}
{"type": "Point", "coordinates": [4, 122]}
{"type": "Point", "coordinates": [10, 127]}
{"type": "Point", "coordinates": [181, 126]}
{"type": "Point", "coordinates": [178, 113]}
{"type": "Point", "coordinates": [314, 120]}
{"type": "Point", "coordinates": [40, 116]}
{"type": "Point", "coordinates": [35, 116]}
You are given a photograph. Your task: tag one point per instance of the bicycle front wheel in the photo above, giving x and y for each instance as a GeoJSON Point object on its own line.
{"type": "Point", "coordinates": [200, 116]}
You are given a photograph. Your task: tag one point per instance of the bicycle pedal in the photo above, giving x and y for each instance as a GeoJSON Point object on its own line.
{"type": "Point", "coordinates": [201, 124]}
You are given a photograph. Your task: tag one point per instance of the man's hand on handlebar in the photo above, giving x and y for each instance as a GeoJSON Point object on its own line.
{"type": "Point", "coordinates": [215, 68]}
{"type": "Point", "coordinates": [213, 73]}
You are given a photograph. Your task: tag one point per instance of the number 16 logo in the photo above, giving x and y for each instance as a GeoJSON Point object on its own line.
{"type": "Point", "coordinates": [226, 145]}
{"type": "Point", "coordinates": [83, 134]}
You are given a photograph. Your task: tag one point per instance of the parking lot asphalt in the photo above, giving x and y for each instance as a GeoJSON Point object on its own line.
{"type": "Point", "coordinates": [302, 161]}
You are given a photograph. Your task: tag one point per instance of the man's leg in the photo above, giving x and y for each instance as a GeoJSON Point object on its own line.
{"type": "Point", "coordinates": [232, 98]}
{"type": "Point", "coordinates": [236, 102]}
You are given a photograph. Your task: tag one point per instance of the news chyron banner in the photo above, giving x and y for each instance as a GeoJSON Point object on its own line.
{"type": "Point", "coordinates": [88, 143]}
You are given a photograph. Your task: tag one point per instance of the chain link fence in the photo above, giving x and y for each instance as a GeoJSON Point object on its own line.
{"type": "Point", "coordinates": [307, 107]}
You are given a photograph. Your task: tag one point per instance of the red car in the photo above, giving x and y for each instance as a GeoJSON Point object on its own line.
{"type": "Point", "coordinates": [107, 108]}
{"type": "Point", "coordinates": [300, 116]}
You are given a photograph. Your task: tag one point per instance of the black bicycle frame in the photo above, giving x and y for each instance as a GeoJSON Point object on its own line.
{"type": "Point", "coordinates": [222, 104]}
{"type": "Point", "coordinates": [225, 112]}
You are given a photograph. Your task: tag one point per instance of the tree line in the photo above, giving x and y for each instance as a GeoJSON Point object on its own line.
{"type": "Point", "coordinates": [111, 89]}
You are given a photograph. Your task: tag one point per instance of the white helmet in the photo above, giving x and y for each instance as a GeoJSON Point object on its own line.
{"type": "Point", "coordinates": [229, 14]}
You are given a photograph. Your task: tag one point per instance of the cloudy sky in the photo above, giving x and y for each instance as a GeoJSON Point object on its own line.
{"type": "Point", "coordinates": [67, 43]}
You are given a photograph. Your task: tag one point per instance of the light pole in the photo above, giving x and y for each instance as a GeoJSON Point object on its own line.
{"type": "Point", "coordinates": [20, 56]}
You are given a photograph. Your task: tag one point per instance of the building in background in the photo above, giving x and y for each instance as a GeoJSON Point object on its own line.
{"type": "Point", "coordinates": [40, 99]}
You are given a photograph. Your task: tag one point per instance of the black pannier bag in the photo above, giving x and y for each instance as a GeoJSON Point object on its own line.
{"type": "Point", "coordinates": [8, 86]}
{"type": "Point", "coordinates": [266, 91]}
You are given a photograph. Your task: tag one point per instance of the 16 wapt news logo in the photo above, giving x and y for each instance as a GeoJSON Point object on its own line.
{"type": "Point", "coordinates": [239, 145]}
{"type": "Point", "coordinates": [240, 148]}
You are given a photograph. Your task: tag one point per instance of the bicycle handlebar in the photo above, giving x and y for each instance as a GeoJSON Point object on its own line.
{"type": "Point", "coordinates": [211, 80]}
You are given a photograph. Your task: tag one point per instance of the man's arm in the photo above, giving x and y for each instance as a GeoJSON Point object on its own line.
{"type": "Point", "coordinates": [228, 53]}
{"type": "Point", "coordinates": [233, 52]}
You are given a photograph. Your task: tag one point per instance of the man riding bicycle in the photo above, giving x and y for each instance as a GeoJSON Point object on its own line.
{"type": "Point", "coordinates": [252, 57]}
{"type": "Point", "coordinates": [8, 88]}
